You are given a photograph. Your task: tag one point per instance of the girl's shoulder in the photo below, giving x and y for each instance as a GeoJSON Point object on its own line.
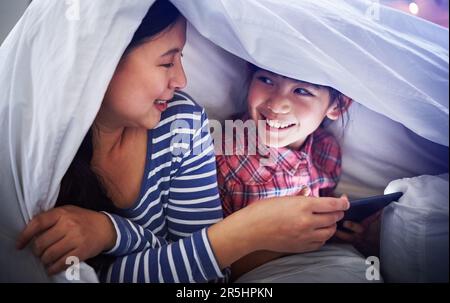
{"type": "Point", "coordinates": [326, 152]}
{"type": "Point", "coordinates": [322, 137]}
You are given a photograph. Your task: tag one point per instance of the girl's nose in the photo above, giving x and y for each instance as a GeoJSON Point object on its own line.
{"type": "Point", "coordinates": [279, 105]}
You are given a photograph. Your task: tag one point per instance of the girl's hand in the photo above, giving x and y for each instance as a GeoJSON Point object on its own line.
{"type": "Point", "coordinates": [67, 231]}
{"type": "Point", "coordinates": [365, 236]}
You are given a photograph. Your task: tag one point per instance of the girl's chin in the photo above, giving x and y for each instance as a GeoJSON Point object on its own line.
{"type": "Point", "coordinates": [279, 142]}
{"type": "Point", "coordinates": [273, 142]}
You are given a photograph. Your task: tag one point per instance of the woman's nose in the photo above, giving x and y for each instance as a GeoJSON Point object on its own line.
{"type": "Point", "coordinates": [178, 80]}
{"type": "Point", "coordinates": [279, 105]}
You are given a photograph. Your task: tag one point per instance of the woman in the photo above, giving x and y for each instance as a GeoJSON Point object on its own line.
{"type": "Point", "coordinates": [141, 160]}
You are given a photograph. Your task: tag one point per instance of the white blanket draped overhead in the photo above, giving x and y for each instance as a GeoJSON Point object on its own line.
{"type": "Point", "coordinates": [55, 67]}
{"type": "Point", "coordinates": [56, 64]}
{"type": "Point", "coordinates": [392, 63]}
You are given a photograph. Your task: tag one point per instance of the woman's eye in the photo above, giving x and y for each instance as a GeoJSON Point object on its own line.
{"type": "Point", "coordinates": [265, 80]}
{"type": "Point", "coordinates": [168, 65]}
{"type": "Point", "coordinates": [302, 92]}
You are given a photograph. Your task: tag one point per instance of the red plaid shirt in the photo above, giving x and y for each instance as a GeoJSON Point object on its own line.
{"type": "Point", "coordinates": [243, 180]}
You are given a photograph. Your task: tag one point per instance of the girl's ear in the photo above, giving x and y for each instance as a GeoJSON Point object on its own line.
{"type": "Point", "coordinates": [336, 110]}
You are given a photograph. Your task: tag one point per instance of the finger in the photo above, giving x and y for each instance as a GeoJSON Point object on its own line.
{"type": "Point", "coordinates": [60, 265]}
{"type": "Point", "coordinates": [344, 196]}
{"type": "Point", "coordinates": [355, 227]}
{"type": "Point", "coordinates": [344, 236]}
{"type": "Point", "coordinates": [306, 191]}
{"type": "Point", "coordinates": [328, 204]}
{"type": "Point", "coordinates": [36, 226]}
{"type": "Point", "coordinates": [56, 251]}
{"type": "Point", "coordinates": [317, 245]}
{"type": "Point", "coordinates": [47, 239]}
{"type": "Point", "coordinates": [324, 234]}
{"type": "Point", "coordinates": [372, 218]}
{"type": "Point", "coordinates": [326, 219]}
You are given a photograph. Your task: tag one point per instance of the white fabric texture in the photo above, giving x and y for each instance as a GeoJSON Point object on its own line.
{"type": "Point", "coordinates": [57, 62]}
{"type": "Point", "coordinates": [333, 263]}
{"type": "Point", "coordinates": [54, 68]}
{"type": "Point", "coordinates": [391, 62]}
{"type": "Point", "coordinates": [375, 149]}
{"type": "Point", "coordinates": [414, 235]}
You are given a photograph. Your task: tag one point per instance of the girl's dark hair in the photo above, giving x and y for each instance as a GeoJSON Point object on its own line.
{"type": "Point", "coordinates": [335, 95]}
{"type": "Point", "coordinates": [80, 186]}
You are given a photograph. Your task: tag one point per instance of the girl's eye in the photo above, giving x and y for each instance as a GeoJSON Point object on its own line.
{"type": "Point", "coordinates": [265, 80]}
{"type": "Point", "coordinates": [302, 92]}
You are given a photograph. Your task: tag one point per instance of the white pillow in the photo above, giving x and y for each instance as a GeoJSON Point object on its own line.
{"type": "Point", "coordinates": [414, 232]}
{"type": "Point", "coordinates": [376, 150]}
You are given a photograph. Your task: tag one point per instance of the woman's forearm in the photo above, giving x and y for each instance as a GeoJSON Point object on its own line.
{"type": "Point", "coordinates": [233, 238]}
{"type": "Point", "coordinates": [287, 224]}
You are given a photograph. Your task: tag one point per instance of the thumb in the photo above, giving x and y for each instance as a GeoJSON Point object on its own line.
{"type": "Point", "coordinates": [344, 196]}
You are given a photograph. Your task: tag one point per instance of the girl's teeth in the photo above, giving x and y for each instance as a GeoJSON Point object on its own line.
{"type": "Point", "coordinates": [160, 101]}
{"type": "Point", "coordinates": [276, 124]}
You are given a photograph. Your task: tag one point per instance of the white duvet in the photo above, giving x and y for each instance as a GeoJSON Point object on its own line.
{"type": "Point", "coordinates": [56, 64]}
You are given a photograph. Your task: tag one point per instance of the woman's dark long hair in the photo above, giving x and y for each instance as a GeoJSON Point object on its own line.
{"type": "Point", "coordinates": [80, 186]}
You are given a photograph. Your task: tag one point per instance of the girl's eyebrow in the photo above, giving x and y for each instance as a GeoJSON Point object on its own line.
{"type": "Point", "coordinates": [316, 86]}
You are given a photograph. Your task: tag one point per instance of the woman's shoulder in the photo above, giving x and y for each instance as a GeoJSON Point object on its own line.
{"type": "Point", "coordinates": [182, 123]}
{"type": "Point", "coordinates": [183, 103]}
{"type": "Point", "coordinates": [182, 112]}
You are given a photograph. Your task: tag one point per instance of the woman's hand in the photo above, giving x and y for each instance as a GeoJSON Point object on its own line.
{"type": "Point", "coordinates": [67, 231]}
{"type": "Point", "coordinates": [285, 224]}
{"type": "Point", "coordinates": [365, 236]}
{"type": "Point", "coordinates": [297, 224]}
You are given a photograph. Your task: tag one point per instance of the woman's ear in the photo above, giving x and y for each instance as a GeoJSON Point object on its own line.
{"type": "Point", "coordinates": [337, 110]}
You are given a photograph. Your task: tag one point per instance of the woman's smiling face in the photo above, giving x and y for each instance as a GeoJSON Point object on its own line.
{"type": "Point", "coordinates": [290, 110]}
{"type": "Point", "coordinates": [145, 79]}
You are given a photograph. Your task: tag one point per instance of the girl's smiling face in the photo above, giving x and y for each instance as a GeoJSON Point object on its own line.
{"type": "Point", "coordinates": [290, 109]}
{"type": "Point", "coordinates": [145, 79]}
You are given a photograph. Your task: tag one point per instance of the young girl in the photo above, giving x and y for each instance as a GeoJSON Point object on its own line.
{"type": "Point", "coordinates": [302, 157]}
{"type": "Point", "coordinates": [294, 155]}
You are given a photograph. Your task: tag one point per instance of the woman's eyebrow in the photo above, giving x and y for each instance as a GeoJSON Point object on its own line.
{"type": "Point", "coordinates": [171, 52]}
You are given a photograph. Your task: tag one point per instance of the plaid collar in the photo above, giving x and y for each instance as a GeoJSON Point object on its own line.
{"type": "Point", "coordinates": [286, 159]}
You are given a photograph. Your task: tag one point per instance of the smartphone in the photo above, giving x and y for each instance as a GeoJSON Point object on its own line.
{"type": "Point", "coordinates": [360, 209]}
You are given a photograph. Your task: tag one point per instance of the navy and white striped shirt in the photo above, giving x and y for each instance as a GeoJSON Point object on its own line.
{"type": "Point", "coordinates": [163, 238]}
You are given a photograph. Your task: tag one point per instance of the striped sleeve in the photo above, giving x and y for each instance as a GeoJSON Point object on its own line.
{"type": "Point", "coordinates": [187, 260]}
